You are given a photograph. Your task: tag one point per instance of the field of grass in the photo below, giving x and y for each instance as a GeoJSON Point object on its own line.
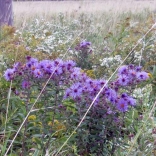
{"type": "Point", "coordinates": [24, 11]}
{"type": "Point", "coordinates": [78, 78]}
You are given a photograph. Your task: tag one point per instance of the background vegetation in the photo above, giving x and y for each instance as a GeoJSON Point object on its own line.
{"type": "Point", "coordinates": [98, 36]}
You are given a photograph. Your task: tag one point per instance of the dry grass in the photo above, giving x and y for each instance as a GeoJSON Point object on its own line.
{"type": "Point", "coordinates": [26, 10]}
{"type": "Point", "coordinates": [47, 7]}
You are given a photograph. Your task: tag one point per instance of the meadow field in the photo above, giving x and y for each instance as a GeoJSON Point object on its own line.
{"type": "Point", "coordinates": [78, 78]}
{"type": "Point", "coordinates": [24, 11]}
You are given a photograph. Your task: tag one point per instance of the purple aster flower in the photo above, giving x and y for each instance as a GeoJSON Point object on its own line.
{"type": "Point", "coordinates": [34, 66]}
{"type": "Point", "coordinates": [37, 73]}
{"type": "Point", "coordinates": [131, 101]}
{"type": "Point", "coordinates": [75, 75]}
{"type": "Point", "coordinates": [20, 73]}
{"type": "Point", "coordinates": [58, 70]}
{"type": "Point", "coordinates": [85, 44]}
{"type": "Point", "coordinates": [111, 95]}
{"type": "Point", "coordinates": [124, 95]}
{"type": "Point", "coordinates": [122, 105]}
{"type": "Point", "coordinates": [82, 77]}
{"type": "Point", "coordinates": [76, 90]}
{"type": "Point", "coordinates": [70, 63]}
{"type": "Point", "coordinates": [102, 82]}
{"type": "Point", "coordinates": [57, 62]}
{"type": "Point", "coordinates": [48, 66]}
{"type": "Point", "coordinates": [142, 76]}
{"type": "Point", "coordinates": [132, 73]}
{"type": "Point", "coordinates": [31, 61]}
{"type": "Point", "coordinates": [25, 84]}
{"type": "Point", "coordinates": [138, 68]}
{"type": "Point", "coordinates": [16, 66]}
{"type": "Point", "coordinates": [85, 89]}
{"type": "Point", "coordinates": [123, 70]}
{"type": "Point", "coordinates": [43, 63]}
{"type": "Point", "coordinates": [9, 74]}
{"type": "Point", "coordinates": [131, 66]}
{"type": "Point", "coordinates": [28, 58]}
{"type": "Point", "coordinates": [89, 82]}
{"type": "Point", "coordinates": [94, 86]}
{"type": "Point", "coordinates": [123, 80]}
{"type": "Point", "coordinates": [28, 64]}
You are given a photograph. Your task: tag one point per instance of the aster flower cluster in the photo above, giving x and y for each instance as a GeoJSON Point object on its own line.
{"type": "Point", "coordinates": [131, 75]}
{"type": "Point", "coordinates": [83, 46]}
{"type": "Point", "coordinates": [87, 89]}
{"type": "Point", "coordinates": [61, 72]}
{"type": "Point", "coordinates": [82, 55]}
{"type": "Point", "coordinates": [69, 82]}
{"type": "Point", "coordinates": [105, 119]}
{"type": "Point", "coordinates": [81, 88]}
